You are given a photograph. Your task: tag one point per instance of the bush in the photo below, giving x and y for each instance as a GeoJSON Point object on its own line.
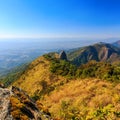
{"type": "Point", "coordinates": [62, 67]}
{"type": "Point", "coordinates": [92, 69]}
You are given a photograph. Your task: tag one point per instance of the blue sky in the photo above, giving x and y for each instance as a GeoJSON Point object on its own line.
{"type": "Point", "coordinates": [59, 18]}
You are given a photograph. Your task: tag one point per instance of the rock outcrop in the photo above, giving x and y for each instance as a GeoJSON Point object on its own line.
{"type": "Point", "coordinates": [5, 104]}
{"type": "Point", "coordinates": [15, 104]}
{"type": "Point", "coordinates": [63, 55]}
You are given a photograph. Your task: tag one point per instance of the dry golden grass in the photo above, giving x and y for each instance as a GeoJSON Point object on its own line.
{"type": "Point", "coordinates": [38, 71]}
{"type": "Point", "coordinates": [16, 105]}
{"type": "Point", "coordinates": [85, 95]}
{"type": "Point", "coordinates": [80, 98]}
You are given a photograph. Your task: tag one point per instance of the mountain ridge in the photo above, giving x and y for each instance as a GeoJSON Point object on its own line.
{"type": "Point", "coordinates": [117, 43]}
{"type": "Point", "coordinates": [99, 52]}
{"type": "Point", "coordinates": [69, 92]}
{"type": "Point", "coordinates": [87, 91]}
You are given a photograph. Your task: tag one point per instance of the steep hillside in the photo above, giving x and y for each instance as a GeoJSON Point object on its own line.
{"type": "Point", "coordinates": [13, 74]}
{"type": "Point", "coordinates": [98, 52]}
{"type": "Point", "coordinates": [38, 76]}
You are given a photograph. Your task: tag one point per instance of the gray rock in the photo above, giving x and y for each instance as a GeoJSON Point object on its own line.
{"type": "Point", "coordinates": [5, 104]}
{"type": "Point", "coordinates": [63, 55]}
{"type": "Point", "coordinates": [30, 108]}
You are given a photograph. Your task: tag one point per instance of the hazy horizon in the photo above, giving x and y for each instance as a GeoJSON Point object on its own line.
{"type": "Point", "coordinates": [49, 43]}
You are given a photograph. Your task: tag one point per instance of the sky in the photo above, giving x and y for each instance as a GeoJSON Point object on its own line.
{"type": "Point", "coordinates": [59, 18]}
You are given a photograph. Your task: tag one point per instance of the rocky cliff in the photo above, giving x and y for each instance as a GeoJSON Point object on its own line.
{"type": "Point", "coordinates": [15, 104]}
{"type": "Point", "coordinates": [5, 104]}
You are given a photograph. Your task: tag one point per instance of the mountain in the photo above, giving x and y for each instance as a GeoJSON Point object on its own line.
{"type": "Point", "coordinates": [88, 92]}
{"type": "Point", "coordinates": [117, 43]}
{"type": "Point", "coordinates": [15, 104]}
{"type": "Point", "coordinates": [99, 52]}
{"type": "Point", "coordinates": [63, 91]}
{"type": "Point", "coordinates": [12, 55]}
{"type": "Point", "coordinates": [15, 52]}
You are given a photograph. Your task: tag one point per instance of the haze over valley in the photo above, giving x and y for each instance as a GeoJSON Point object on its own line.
{"type": "Point", "coordinates": [16, 52]}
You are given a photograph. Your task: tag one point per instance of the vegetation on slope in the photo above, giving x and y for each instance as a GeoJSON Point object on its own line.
{"type": "Point", "coordinates": [37, 79]}
{"type": "Point", "coordinates": [88, 99]}
{"type": "Point", "coordinates": [71, 92]}
{"type": "Point", "coordinates": [92, 69]}
{"type": "Point", "coordinates": [13, 75]}
{"type": "Point", "coordinates": [62, 67]}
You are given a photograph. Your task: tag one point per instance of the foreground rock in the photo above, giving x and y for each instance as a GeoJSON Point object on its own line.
{"type": "Point", "coordinates": [5, 104]}
{"type": "Point", "coordinates": [15, 104]}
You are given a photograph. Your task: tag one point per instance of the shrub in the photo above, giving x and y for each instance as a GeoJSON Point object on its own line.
{"type": "Point", "coordinates": [93, 69]}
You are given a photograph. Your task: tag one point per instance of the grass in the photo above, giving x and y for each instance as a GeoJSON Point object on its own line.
{"type": "Point", "coordinates": [37, 72]}
{"type": "Point", "coordinates": [15, 110]}
{"type": "Point", "coordinates": [82, 98]}
{"type": "Point", "coordinates": [72, 99]}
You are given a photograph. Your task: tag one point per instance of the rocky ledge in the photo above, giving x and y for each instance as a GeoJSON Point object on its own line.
{"type": "Point", "coordinates": [15, 104]}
